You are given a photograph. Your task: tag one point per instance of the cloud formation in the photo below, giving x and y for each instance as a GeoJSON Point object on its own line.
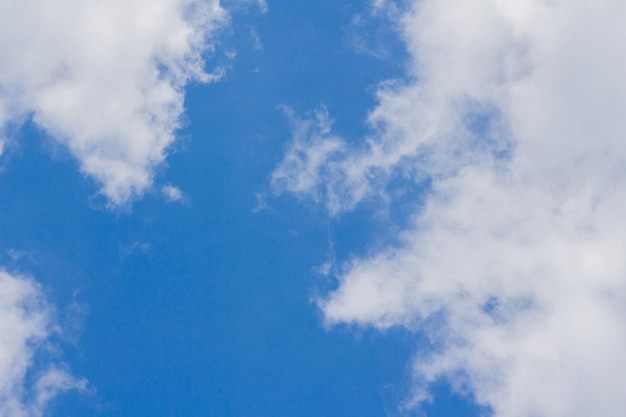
{"type": "Point", "coordinates": [105, 79]}
{"type": "Point", "coordinates": [172, 194]}
{"type": "Point", "coordinates": [26, 324]}
{"type": "Point", "coordinates": [515, 267]}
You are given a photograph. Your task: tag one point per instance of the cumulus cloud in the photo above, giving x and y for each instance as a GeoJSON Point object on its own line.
{"type": "Point", "coordinates": [514, 267]}
{"type": "Point", "coordinates": [105, 79]}
{"type": "Point", "coordinates": [26, 325]}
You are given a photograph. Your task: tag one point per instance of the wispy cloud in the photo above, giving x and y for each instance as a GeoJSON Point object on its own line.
{"type": "Point", "coordinates": [105, 79]}
{"type": "Point", "coordinates": [26, 325]}
{"type": "Point", "coordinates": [173, 194]}
{"type": "Point", "coordinates": [312, 166]}
{"type": "Point", "coordinates": [257, 44]}
{"type": "Point", "coordinates": [515, 266]}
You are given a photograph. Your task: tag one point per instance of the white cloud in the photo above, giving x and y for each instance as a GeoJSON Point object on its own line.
{"type": "Point", "coordinates": [301, 171]}
{"type": "Point", "coordinates": [515, 268]}
{"type": "Point", "coordinates": [172, 194]}
{"type": "Point", "coordinates": [26, 324]}
{"type": "Point", "coordinates": [105, 79]}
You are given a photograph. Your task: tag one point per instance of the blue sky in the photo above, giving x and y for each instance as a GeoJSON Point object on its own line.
{"type": "Point", "coordinates": [329, 208]}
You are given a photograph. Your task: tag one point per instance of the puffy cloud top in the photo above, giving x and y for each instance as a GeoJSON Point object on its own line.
{"type": "Point", "coordinates": [106, 79]}
{"type": "Point", "coordinates": [26, 324]}
{"type": "Point", "coordinates": [515, 267]}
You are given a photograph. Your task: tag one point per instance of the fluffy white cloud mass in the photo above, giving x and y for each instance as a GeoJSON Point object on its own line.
{"type": "Point", "coordinates": [104, 78]}
{"type": "Point", "coordinates": [515, 266]}
{"type": "Point", "coordinates": [26, 324]}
